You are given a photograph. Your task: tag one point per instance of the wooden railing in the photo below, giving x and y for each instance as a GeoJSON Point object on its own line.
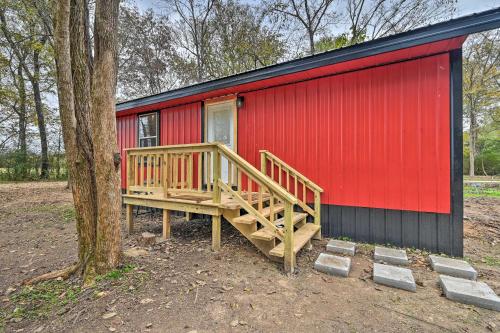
{"type": "Point", "coordinates": [294, 182]}
{"type": "Point", "coordinates": [259, 184]}
{"type": "Point", "coordinates": [170, 169]}
{"type": "Point", "coordinates": [196, 168]}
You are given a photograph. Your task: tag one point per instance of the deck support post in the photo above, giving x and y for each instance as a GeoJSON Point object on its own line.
{"type": "Point", "coordinates": [188, 216]}
{"type": "Point", "coordinates": [130, 219]}
{"type": "Point", "coordinates": [166, 224]}
{"type": "Point", "coordinates": [317, 213]}
{"type": "Point", "coordinates": [216, 231]}
{"type": "Point", "coordinates": [289, 252]}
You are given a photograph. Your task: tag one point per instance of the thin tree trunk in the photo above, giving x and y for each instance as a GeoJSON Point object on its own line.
{"type": "Point", "coordinates": [22, 114]}
{"type": "Point", "coordinates": [34, 80]}
{"type": "Point", "coordinates": [58, 158]}
{"type": "Point", "coordinates": [42, 129]}
{"type": "Point", "coordinates": [106, 154]}
{"type": "Point", "coordinates": [472, 142]}
{"type": "Point", "coordinates": [312, 49]}
{"type": "Point", "coordinates": [482, 166]}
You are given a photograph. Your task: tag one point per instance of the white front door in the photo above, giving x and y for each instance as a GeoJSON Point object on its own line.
{"type": "Point", "coordinates": [220, 126]}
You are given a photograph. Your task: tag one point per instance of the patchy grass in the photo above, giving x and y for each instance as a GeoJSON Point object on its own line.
{"type": "Point", "coordinates": [476, 191]}
{"type": "Point", "coordinates": [40, 300]}
{"type": "Point", "coordinates": [65, 213]}
{"type": "Point", "coordinates": [365, 247]}
{"type": "Point", "coordinates": [47, 298]}
{"type": "Point", "coordinates": [116, 274]}
{"type": "Point", "coordinates": [492, 261]}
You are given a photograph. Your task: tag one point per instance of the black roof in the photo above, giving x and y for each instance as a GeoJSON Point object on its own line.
{"type": "Point", "coordinates": [461, 26]}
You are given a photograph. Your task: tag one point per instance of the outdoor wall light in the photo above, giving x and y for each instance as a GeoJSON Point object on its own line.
{"type": "Point", "coordinates": [239, 101]}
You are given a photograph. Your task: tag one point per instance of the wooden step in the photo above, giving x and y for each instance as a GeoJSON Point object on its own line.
{"type": "Point", "coordinates": [263, 234]}
{"type": "Point", "coordinates": [296, 218]}
{"type": "Point", "coordinates": [300, 238]}
{"type": "Point", "coordinates": [249, 218]}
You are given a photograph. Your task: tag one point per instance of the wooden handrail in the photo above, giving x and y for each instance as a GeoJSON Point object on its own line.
{"type": "Point", "coordinates": [298, 178]}
{"type": "Point", "coordinates": [216, 148]}
{"type": "Point", "coordinates": [194, 146]}
{"type": "Point", "coordinates": [257, 175]}
{"type": "Point", "coordinates": [255, 212]}
{"type": "Point", "coordinates": [303, 178]}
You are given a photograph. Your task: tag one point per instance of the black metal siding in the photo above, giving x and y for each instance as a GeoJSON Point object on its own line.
{"type": "Point", "coordinates": [430, 231]}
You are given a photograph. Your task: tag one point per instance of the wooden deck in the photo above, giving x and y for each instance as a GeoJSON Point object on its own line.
{"type": "Point", "coordinates": [190, 202]}
{"type": "Point", "coordinates": [188, 178]}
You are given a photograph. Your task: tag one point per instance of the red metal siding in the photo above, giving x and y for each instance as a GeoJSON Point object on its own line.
{"type": "Point", "coordinates": [127, 138]}
{"type": "Point", "coordinates": [375, 60]}
{"type": "Point", "coordinates": [378, 137]}
{"type": "Point", "coordinates": [180, 124]}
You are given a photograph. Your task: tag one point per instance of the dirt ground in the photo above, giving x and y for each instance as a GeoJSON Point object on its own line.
{"type": "Point", "coordinates": [179, 285]}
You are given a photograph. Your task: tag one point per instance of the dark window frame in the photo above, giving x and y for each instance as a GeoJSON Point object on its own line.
{"type": "Point", "coordinates": [157, 129]}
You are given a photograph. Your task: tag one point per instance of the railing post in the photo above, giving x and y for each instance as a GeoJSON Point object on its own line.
{"type": "Point", "coordinates": [317, 213]}
{"type": "Point", "coordinates": [216, 220]}
{"type": "Point", "coordinates": [130, 182]}
{"type": "Point", "coordinates": [289, 253]}
{"type": "Point", "coordinates": [165, 174]}
{"type": "Point", "coordinates": [217, 175]}
{"type": "Point", "coordinates": [130, 172]}
{"type": "Point", "coordinates": [263, 162]}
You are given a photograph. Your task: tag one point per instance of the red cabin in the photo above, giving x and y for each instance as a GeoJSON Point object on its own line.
{"type": "Point", "coordinates": [378, 126]}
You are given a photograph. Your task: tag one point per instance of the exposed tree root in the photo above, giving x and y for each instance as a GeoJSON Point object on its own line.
{"type": "Point", "coordinates": [64, 273]}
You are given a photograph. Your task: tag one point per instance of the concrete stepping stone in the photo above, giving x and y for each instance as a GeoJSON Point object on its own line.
{"type": "Point", "coordinates": [393, 276]}
{"type": "Point", "coordinates": [469, 292]}
{"type": "Point", "coordinates": [390, 256]}
{"type": "Point", "coordinates": [333, 265]}
{"type": "Point", "coordinates": [453, 267]}
{"type": "Point", "coordinates": [342, 247]}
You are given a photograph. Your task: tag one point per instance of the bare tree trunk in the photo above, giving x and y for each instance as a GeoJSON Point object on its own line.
{"type": "Point", "coordinates": [312, 48]}
{"type": "Point", "coordinates": [482, 166]}
{"type": "Point", "coordinates": [78, 148]}
{"type": "Point", "coordinates": [42, 129]}
{"type": "Point", "coordinates": [58, 158]}
{"type": "Point", "coordinates": [472, 142]}
{"type": "Point", "coordinates": [106, 154]}
{"type": "Point", "coordinates": [22, 114]}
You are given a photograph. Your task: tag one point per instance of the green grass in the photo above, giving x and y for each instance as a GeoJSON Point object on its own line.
{"type": "Point", "coordinates": [470, 191]}
{"type": "Point", "coordinates": [53, 297]}
{"type": "Point", "coordinates": [492, 261]}
{"type": "Point", "coordinates": [65, 212]}
{"type": "Point", "coordinates": [116, 274]}
{"type": "Point", "coordinates": [40, 300]}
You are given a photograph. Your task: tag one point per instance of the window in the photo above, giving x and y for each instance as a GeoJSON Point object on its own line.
{"type": "Point", "coordinates": [148, 130]}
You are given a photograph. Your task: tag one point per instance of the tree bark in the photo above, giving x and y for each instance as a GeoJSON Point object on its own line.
{"type": "Point", "coordinates": [78, 148]}
{"type": "Point", "coordinates": [22, 114]}
{"type": "Point", "coordinates": [103, 119]}
{"type": "Point", "coordinates": [472, 140]}
{"type": "Point", "coordinates": [312, 49]}
{"type": "Point", "coordinates": [42, 128]}
{"type": "Point", "coordinates": [81, 75]}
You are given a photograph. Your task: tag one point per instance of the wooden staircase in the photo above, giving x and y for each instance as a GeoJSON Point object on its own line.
{"type": "Point", "coordinates": [276, 218]}
{"type": "Point", "coordinates": [266, 236]}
